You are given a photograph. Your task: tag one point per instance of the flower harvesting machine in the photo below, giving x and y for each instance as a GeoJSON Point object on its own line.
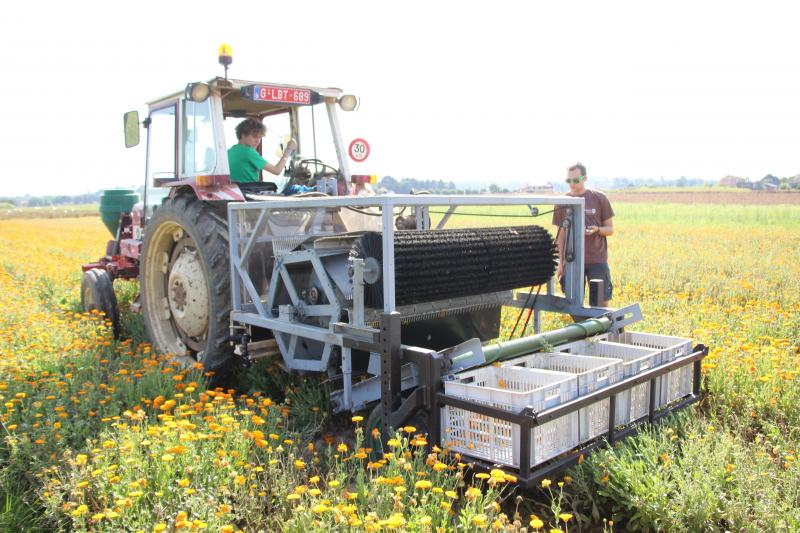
{"type": "Point", "coordinates": [377, 292]}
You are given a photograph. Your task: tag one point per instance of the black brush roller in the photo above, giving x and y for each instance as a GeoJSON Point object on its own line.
{"type": "Point", "coordinates": [438, 264]}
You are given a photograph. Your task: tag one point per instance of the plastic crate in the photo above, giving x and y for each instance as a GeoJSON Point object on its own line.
{"type": "Point", "coordinates": [511, 389]}
{"type": "Point", "coordinates": [676, 384]}
{"type": "Point", "coordinates": [634, 403]}
{"type": "Point", "coordinates": [593, 373]}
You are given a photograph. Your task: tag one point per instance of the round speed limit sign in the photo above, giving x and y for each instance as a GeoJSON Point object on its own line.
{"type": "Point", "coordinates": [359, 150]}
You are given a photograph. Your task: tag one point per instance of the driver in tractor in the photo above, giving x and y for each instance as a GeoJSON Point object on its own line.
{"type": "Point", "coordinates": [244, 160]}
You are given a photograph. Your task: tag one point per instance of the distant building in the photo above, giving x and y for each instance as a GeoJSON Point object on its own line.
{"type": "Point", "coordinates": [538, 189]}
{"type": "Point", "coordinates": [770, 182]}
{"type": "Point", "coordinates": [794, 182]}
{"type": "Point", "coordinates": [732, 181]}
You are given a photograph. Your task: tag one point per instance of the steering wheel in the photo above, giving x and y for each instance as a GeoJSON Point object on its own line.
{"type": "Point", "coordinates": [301, 171]}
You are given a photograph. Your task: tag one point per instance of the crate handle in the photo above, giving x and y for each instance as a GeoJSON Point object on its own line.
{"type": "Point", "coordinates": [552, 393]}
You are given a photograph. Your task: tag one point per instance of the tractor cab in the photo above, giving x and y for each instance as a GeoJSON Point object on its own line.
{"type": "Point", "coordinates": [189, 134]}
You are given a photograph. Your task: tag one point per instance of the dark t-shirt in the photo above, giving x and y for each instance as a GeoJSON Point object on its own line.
{"type": "Point", "coordinates": [597, 209]}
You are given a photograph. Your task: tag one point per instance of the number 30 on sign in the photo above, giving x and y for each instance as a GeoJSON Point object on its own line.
{"type": "Point", "coordinates": [359, 150]}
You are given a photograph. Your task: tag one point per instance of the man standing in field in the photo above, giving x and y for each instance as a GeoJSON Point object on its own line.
{"type": "Point", "coordinates": [599, 219]}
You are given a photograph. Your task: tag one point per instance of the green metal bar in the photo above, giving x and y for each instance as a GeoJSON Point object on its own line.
{"type": "Point", "coordinates": [525, 345]}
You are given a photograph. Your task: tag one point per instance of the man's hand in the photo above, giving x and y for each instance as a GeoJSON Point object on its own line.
{"type": "Point", "coordinates": [591, 230]}
{"type": "Point", "coordinates": [560, 271]}
{"type": "Point", "coordinates": [291, 146]}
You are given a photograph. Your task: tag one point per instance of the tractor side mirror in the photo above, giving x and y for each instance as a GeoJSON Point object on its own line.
{"type": "Point", "coordinates": [131, 119]}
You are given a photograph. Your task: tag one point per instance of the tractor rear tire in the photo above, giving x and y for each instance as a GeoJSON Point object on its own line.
{"type": "Point", "coordinates": [97, 292]}
{"type": "Point", "coordinates": [185, 283]}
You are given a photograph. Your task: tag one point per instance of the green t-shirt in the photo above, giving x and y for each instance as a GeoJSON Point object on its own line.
{"type": "Point", "coordinates": [245, 163]}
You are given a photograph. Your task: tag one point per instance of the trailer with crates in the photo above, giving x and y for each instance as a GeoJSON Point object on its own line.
{"type": "Point", "coordinates": [399, 310]}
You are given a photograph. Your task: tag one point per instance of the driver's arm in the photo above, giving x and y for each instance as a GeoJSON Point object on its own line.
{"type": "Point", "coordinates": [279, 166]}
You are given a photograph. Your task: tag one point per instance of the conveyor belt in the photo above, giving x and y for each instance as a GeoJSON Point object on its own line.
{"type": "Point", "coordinates": [438, 264]}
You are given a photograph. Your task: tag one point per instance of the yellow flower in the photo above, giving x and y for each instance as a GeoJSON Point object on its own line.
{"type": "Point", "coordinates": [159, 527]}
{"type": "Point", "coordinates": [80, 459]}
{"type": "Point", "coordinates": [293, 496]}
{"type": "Point", "coordinates": [240, 480]}
{"type": "Point", "coordinates": [341, 448]}
{"type": "Point", "coordinates": [167, 458]}
{"type": "Point", "coordinates": [393, 443]}
{"type": "Point", "coordinates": [545, 483]}
{"type": "Point", "coordinates": [536, 523]}
{"type": "Point", "coordinates": [482, 475]}
{"type": "Point", "coordinates": [226, 529]}
{"type": "Point", "coordinates": [566, 517]}
{"type": "Point", "coordinates": [356, 419]}
{"type": "Point", "coordinates": [299, 464]}
{"type": "Point", "coordinates": [409, 429]}
{"type": "Point", "coordinates": [184, 482]}
{"type": "Point", "coordinates": [423, 484]}
{"type": "Point", "coordinates": [81, 510]}
{"type": "Point", "coordinates": [472, 493]}
{"type": "Point", "coordinates": [438, 467]}
{"type": "Point", "coordinates": [451, 494]}
{"type": "Point", "coordinates": [479, 520]}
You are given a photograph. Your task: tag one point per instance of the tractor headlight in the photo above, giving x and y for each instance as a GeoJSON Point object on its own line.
{"type": "Point", "coordinates": [348, 102]}
{"type": "Point", "coordinates": [197, 92]}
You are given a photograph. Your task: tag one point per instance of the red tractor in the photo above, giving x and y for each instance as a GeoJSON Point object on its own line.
{"type": "Point", "coordinates": [175, 242]}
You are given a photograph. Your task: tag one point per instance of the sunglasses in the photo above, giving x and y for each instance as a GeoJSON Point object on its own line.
{"type": "Point", "coordinates": [575, 180]}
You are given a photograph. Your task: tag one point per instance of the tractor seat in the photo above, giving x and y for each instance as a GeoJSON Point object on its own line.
{"type": "Point", "coordinates": [258, 188]}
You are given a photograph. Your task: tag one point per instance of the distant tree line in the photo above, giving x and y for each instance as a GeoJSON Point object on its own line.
{"type": "Point", "coordinates": [407, 185]}
{"type": "Point", "coordinates": [44, 201]}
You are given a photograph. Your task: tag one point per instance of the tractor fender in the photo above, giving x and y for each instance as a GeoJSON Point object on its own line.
{"type": "Point", "coordinates": [220, 189]}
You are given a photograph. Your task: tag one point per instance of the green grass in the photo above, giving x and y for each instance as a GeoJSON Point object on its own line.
{"type": "Point", "coordinates": [636, 214]}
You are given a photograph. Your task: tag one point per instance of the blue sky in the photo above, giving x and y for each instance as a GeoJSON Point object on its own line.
{"type": "Point", "coordinates": [500, 92]}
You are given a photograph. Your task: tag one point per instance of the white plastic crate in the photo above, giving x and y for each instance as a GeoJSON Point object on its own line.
{"type": "Point", "coordinates": [675, 384]}
{"type": "Point", "coordinates": [593, 373]}
{"type": "Point", "coordinates": [634, 403]}
{"type": "Point", "coordinates": [511, 389]}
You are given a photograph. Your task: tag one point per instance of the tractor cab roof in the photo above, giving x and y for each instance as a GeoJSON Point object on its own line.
{"type": "Point", "coordinates": [242, 98]}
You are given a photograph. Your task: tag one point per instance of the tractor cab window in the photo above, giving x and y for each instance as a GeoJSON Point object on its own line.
{"type": "Point", "coordinates": [199, 154]}
{"type": "Point", "coordinates": [161, 145]}
{"type": "Point", "coordinates": [316, 136]}
{"type": "Point", "coordinates": [161, 156]}
{"type": "Point", "coordinates": [273, 143]}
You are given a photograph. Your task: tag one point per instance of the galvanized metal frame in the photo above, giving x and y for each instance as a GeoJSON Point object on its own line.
{"type": "Point", "coordinates": [573, 303]}
{"type": "Point", "coordinates": [388, 343]}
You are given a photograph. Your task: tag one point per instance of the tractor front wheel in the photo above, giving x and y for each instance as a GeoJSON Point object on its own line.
{"type": "Point", "coordinates": [185, 282]}
{"type": "Point", "coordinates": [97, 293]}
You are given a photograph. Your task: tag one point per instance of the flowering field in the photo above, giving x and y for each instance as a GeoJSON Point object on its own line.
{"type": "Point", "coordinates": [108, 436]}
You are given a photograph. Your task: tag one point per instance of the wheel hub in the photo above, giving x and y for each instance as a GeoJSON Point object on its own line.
{"type": "Point", "coordinates": [187, 294]}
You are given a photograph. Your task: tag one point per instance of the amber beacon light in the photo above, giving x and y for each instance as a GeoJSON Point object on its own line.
{"type": "Point", "coordinates": [225, 57]}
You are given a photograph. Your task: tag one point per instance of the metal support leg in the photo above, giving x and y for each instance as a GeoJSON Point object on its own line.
{"type": "Point", "coordinates": [525, 430]}
{"type": "Point", "coordinates": [596, 292]}
{"type": "Point", "coordinates": [347, 378]}
{"type": "Point", "coordinates": [612, 418]}
{"type": "Point", "coordinates": [390, 367]}
{"type": "Point", "coordinates": [651, 415]}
